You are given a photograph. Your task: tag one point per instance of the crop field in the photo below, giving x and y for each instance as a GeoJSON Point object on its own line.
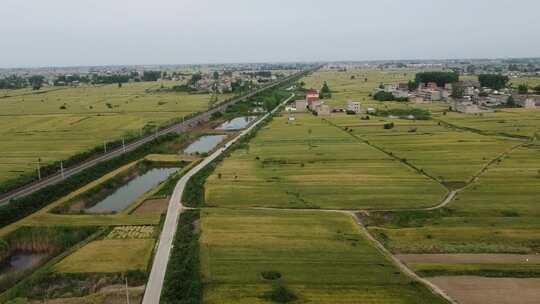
{"type": "Point", "coordinates": [55, 124]}
{"type": "Point", "coordinates": [109, 256]}
{"type": "Point", "coordinates": [498, 213]}
{"type": "Point", "coordinates": [521, 122]}
{"type": "Point", "coordinates": [131, 232]}
{"type": "Point", "coordinates": [450, 155]}
{"type": "Point", "coordinates": [320, 257]}
{"type": "Point", "coordinates": [312, 164]}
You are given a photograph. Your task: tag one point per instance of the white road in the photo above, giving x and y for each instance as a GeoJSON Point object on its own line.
{"type": "Point", "coordinates": [161, 259]}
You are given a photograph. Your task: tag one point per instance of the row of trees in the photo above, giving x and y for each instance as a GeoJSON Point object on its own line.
{"type": "Point", "coordinates": [14, 82]}
{"type": "Point", "coordinates": [493, 81]}
{"type": "Point", "coordinates": [440, 78]}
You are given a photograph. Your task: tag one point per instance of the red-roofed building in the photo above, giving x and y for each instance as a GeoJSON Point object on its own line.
{"type": "Point", "coordinates": [312, 93]}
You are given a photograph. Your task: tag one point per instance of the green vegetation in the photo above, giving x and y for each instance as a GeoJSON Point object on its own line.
{"type": "Point", "coordinates": [58, 124]}
{"type": "Point", "coordinates": [182, 280]}
{"type": "Point", "coordinates": [449, 155]}
{"type": "Point", "coordinates": [22, 207]}
{"type": "Point", "coordinates": [109, 256]}
{"type": "Point", "coordinates": [440, 78]}
{"type": "Point", "coordinates": [485, 270]}
{"type": "Point", "coordinates": [518, 123]}
{"type": "Point", "coordinates": [313, 164]}
{"type": "Point", "coordinates": [386, 96]}
{"type": "Point", "coordinates": [322, 257]}
{"type": "Point", "coordinates": [494, 215]}
{"type": "Point", "coordinates": [493, 81]}
{"type": "Point", "coordinates": [47, 241]}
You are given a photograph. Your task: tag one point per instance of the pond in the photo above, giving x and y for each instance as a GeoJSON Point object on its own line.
{"type": "Point", "coordinates": [204, 144]}
{"type": "Point", "coordinates": [21, 261]}
{"type": "Point", "coordinates": [130, 192]}
{"type": "Point", "coordinates": [237, 123]}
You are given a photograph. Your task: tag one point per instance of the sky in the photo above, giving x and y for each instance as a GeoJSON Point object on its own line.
{"type": "Point", "coordinates": [38, 33]}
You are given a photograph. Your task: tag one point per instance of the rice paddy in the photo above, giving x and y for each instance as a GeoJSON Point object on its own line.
{"type": "Point", "coordinates": [310, 163]}
{"type": "Point", "coordinates": [320, 257]}
{"type": "Point", "coordinates": [56, 124]}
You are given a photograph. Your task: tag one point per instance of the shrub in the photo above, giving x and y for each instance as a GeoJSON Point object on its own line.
{"type": "Point", "coordinates": [389, 125]}
{"type": "Point", "coordinates": [281, 294]}
{"type": "Point", "coordinates": [270, 275]}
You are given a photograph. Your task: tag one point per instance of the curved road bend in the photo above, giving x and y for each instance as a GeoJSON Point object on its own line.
{"type": "Point", "coordinates": [179, 127]}
{"type": "Point", "coordinates": [161, 259]}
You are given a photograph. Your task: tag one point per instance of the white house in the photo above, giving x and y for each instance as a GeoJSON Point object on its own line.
{"type": "Point", "coordinates": [353, 106]}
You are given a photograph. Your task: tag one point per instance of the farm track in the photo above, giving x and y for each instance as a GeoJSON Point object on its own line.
{"type": "Point", "coordinates": [175, 208]}
{"type": "Point", "coordinates": [176, 128]}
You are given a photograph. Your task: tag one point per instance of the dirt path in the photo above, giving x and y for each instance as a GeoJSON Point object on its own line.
{"type": "Point", "coordinates": [397, 262]}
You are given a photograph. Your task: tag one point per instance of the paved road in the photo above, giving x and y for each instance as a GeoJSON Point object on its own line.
{"type": "Point", "coordinates": [180, 127]}
{"type": "Point", "coordinates": [161, 258]}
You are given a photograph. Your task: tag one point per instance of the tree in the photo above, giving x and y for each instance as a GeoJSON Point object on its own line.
{"type": "Point", "coordinates": [216, 75]}
{"type": "Point", "coordinates": [325, 91]}
{"type": "Point", "coordinates": [457, 91]}
{"type": "Point", "coordinates": [412, 85]}
{"type": "Point", "coordinates": [383, 96]}
{"type": "Point", "coordinates": [493, 81]}
{"type": "Point", "coordinates": [36, 81]}
{"type": "Point", "coordinates": [523, 89]}
{"type": "Point", "coordinates": [440, 78]}
{"type": "Point", "coordinates": [511, 103]}
{"type": "Point", "coordinates": [151, 75]}
{"type": "Point", "coordinates": [537, 89]}
{"type": "Point", "coordinates": [195, 78]}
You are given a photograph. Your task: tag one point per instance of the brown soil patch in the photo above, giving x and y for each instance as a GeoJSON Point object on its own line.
{"type": "Point", "coordinates": [479, 290]}
{"type": "Point", "coordinates": [154, 206]}
{"type": "Point", "coordinates": [466, 258]}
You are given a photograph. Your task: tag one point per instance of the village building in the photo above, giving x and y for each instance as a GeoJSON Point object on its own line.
{"type": "Point", "coordinates": [312, 94]}
{"type": "Point", "coordinates": [353, 106]}
{"type": "Point", "coordinates": [313, 104]}
{"type": "Point", "coordinates": [527, 101]}
{"type": "Point", "coordinates": [300, 105]}
{"type": "Point", "coordinates": [400, 94]}
{"type": "Point", "coordinates": [431, 95]}
{"type": "Point", "coordinates": [466, 106]}
{"type": "Point", "coordinates": [322, 109]}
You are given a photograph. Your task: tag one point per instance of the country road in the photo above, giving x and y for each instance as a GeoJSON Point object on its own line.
{"type": "Point", "coordinates": [161, 259]}
{"type": "Point", "coordinates": [179, 127]}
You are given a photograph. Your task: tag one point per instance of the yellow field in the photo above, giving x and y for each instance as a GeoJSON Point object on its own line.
{"type": "Point", "coordinates": [35, 126]}
{"type": "Point", "coordinates": [109, 256]}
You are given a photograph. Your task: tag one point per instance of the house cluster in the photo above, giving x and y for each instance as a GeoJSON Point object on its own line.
{"type": "Point", "coordinates": [313, 103]}
{"type": "Point", "coordinates": [474, 98]}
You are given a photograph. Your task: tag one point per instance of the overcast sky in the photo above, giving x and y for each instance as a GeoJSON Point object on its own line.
{"type": "Point", "coordinates": [102, 32]}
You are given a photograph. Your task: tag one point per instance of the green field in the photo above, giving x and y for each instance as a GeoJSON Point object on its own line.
{"type": "Point", "coordinates": [449, 155]}
{"type": "Point", "coordinates": [312, 164]}
{"type": "Point", "coordinates": [322, 258]}
{"type": "Point", "coordinates": [499, 213]}
{"type": "Point", "coordinates": [109, 256]}
{"type": "Point", "coordinates": [513, 122]}
{"type": "Point", "coordinates": [35, 126]}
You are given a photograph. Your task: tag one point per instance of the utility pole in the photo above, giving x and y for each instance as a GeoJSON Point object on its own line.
{"type": "Point", "coordinates": [62, 169]}
{"type": "Point", "coordinates": [105, 147]}
{"type": "Point", "coordinates": [123, 145]}
{"type": "Point", "coordinates": [127, 292]}
{"type": "Point", "coordinates": [39, 168]}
